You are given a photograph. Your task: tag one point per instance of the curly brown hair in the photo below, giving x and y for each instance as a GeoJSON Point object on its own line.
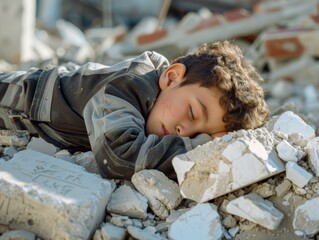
{"type": "Point", "coordinates": [223, 65]}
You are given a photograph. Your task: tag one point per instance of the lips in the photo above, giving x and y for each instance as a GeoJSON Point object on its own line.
{"type": "Point", "coordinates": [164, 131]}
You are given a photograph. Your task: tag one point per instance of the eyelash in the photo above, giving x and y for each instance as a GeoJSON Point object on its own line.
{"type": "Point", "coordinates": [191, 113]}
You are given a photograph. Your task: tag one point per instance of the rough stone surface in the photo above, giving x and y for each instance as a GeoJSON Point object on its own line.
{"type": "Point", "coordinates": [162, 193]}
{"type": "Point", "coordinates": [200, 222]}
{"type": "Point", "coordinates": [143, 234]}
{"type": "Point", "coordinates": [306, 217]}
{"type": "Point", "coordinates": [283, 188]}
{"type": "Point", "coordinates": [18, 235]}
{"type": "Point", "coordinates": [256, 209]}
{"type": "Point", "coordinates": [127, 201]}
{"type": "Point", "coordinates": [222, 165]}
{"type": "Point", "coordinates": [110, 232]}
{"type": "Point", "coordinates": [14, 138]}
{"type": "Point", "coordinates": [313, 155]}
{"type": "Point", "coordinates": [291, 123]}
{"type": "Point", "coordinates": [297, 174]}
{"type": "Point", "coordinates": [40, 145]}
{"type": "Point", "coordinates": [37, 188]}
{"type": "Point", "coordinates": [287, 152]}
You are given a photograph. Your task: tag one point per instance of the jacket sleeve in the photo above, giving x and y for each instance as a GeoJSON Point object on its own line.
{"type": "Point", "coordinates": [118, 140]}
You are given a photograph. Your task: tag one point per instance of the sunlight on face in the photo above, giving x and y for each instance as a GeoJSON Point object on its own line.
{"type": "Point", "coordinates": [187, 111]}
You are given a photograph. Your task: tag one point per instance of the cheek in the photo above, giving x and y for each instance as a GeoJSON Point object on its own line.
{"type": "Point", "coordinates": [176, 110]}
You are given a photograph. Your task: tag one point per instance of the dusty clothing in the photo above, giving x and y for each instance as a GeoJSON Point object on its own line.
{"type": "Point", "coordinates": [95, 107]}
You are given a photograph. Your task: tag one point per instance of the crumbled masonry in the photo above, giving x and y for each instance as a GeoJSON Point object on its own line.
{"type": "Point", "coordinates": [37, 188]}
{"type": "Point", "coordinates": [204, 217]}
{"type": "Point", "coordinates": [260, 184]}
{"type": "Point", "coordinates": [127, 201]}
{"type": "Point", "coordinates": [154, 207]}
{"type": "Point", "coordinates": [307, 217]}
{"type": "Point", "coordinates": [162, 193]}
{"type": "Point", "coordinates": [254, 208]}
{"type": "Point", "coordinates": [226, 164]}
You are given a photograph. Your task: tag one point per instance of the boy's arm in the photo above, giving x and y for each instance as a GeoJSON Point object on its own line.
{"type": "Point", "coordinates": [118, 140]}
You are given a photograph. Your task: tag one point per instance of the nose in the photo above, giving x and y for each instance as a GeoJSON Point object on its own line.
{"type": "Point", "coordinates": [186, 130]}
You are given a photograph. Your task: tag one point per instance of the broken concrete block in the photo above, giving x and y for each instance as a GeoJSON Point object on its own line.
{"type": "Point", "coordinates": [138, 233]}
{"type": "Point", "coordinates": [110, 232]}
{"type": "Point", "coordinates": [64, 155]}
{"type": "Point", "coordinates": [290, 123]}
{"type": "Point", "coordinates": [297, 175]}
{"type": "Point", "coordinates": [254, 208]}
{"type": "Point", "coordinates": [37, 188]}
{"type": "Point", "coordinates": [204, 218]}
{"type": "Point", "coordinates": [86, 160]}
{"type": "Point", "coordinates": [40, 145]}
{"type": "Point", "coordinates": [162, 193]}
{"type": "Point", "coordinates": [127, 201]}
{"type": "Point", "coordinates": [14, 138]}
{"type": "Point", "coordinates": [18, 235]}
{"type": "Point", "coordinates": [283, 188]}
{"type": "Point", "coordinates": [121, 221]}
{"type": "Point", "coordinates": [219, 167]}
{"type": "Point", "coordinates": [306, 217]}
{"type": "Point", "coordinates": [313, 155]}
{"type": "Point", "coordinates": [287, 152]}
{"type": "Point", "coordinates": [9, 151]}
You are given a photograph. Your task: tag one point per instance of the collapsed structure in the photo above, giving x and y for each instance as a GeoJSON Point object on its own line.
{"type": "Point", "coordinates": [261, 183]}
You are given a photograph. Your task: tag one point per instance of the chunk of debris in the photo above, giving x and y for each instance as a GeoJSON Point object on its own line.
{"type": "Point", "coordinates": [162, 193]}
{"type": "Point", "coordinates": [283, 188]}
{"type": "Point", "coordinates": [110, 232]}
{"type": "Point", "coordinates": [256, 209]}
{"type": "Point", "coordinates": [18, 235]}
{"type": "Point", "coordinates": [290, 123]}
{"type": "Point", "coordinates": [40, 145]}
{"type": "Point", "coordinates": [297, 175]}
{"type": "Point", "coordinates": [306, 217]}
{"type": "Point", "coordinates": [17, 138]}
{"type": "Point", "coordinates": [127, 201]}
{"type": "Point", "coordinates": [143, 234]}
{"type": "Point", "coordinates": [204, 218]}
{"type": "Point", "coordinates": [86, 160]}
{"type": "Point", "coordinates": [38, 188]}
{"type": "Point", "coordinates": [221, 166]}
{"type": "Point", "coordinates": [288, 153]}
{"type": "Point", "coordinates": [313, 155]}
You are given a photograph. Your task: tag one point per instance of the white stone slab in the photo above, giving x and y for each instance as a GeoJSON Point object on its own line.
{"type": "Point", "coordinates": [306, 217]}
{"type": "Point", "coordinates": [254, 208]}
{"type": "Point", "coordinates": [290, 123]}
{"type": "Point", "coordinates": [297, 174]}
{"type": "Point", "coordinates": [313, 155]}
{"type": "Point", "coordinates": [287, 152]}
{"type": "Point", "coordinates": [200, 222]}
{"type": "Point", "coordinates": [51, 197]}
{"type": "Point", "coordinates": [127, 201]}
{"type": "Point", "coordinates": [110, 232]}
{"type": "Point", "coordinates": [219, 167]}
{"type": "Point", "coordinates": [42, 146]}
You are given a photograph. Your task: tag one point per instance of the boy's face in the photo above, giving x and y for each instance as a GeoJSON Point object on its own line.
{"type": "Point", "coordinates": [187, 110]}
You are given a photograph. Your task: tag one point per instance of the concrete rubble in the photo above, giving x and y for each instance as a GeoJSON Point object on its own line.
{"type": "Point", "coordinates": [250, 184]}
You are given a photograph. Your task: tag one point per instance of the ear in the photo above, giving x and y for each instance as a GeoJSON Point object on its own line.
{"type": "Point", "coordinates": [174, 74]}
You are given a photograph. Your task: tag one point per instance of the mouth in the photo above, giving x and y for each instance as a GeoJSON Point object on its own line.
{"type": "Point", "coordinates": [164, 131]}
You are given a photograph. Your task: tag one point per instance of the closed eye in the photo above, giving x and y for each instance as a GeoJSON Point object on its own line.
{"type": "Point", "coordinates": [191, 112]}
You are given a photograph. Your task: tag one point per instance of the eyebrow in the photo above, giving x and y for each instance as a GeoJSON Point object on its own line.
{"type": "Point", "coordinates": [204, 109]}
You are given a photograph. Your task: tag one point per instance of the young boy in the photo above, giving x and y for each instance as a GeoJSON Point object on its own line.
{"type": "Point", "coordinates": [139, 113]}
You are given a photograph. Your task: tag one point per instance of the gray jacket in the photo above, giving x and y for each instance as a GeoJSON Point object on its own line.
{"type": "Point", "coordinates": [99, 108]}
